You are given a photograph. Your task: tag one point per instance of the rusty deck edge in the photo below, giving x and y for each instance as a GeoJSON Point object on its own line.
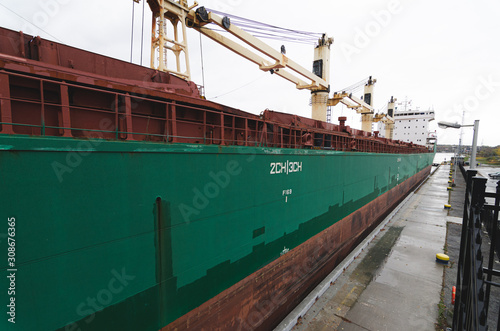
{"type": "Point", "coordinates": [264, 298]}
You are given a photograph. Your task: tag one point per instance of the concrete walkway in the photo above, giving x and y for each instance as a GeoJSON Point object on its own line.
{"type": "Point", "coordinates": [395, 283]}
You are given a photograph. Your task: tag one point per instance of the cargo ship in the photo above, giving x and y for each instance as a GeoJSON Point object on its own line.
{"type": "Point", "coordinates": [129, 202]}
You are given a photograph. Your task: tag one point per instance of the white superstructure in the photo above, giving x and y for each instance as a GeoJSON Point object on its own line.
{"type": "Point", "coordinates": [411, 126]}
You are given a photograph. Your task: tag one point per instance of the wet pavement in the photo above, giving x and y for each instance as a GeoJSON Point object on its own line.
{"type": "Point", "coordinates": [395, 283]}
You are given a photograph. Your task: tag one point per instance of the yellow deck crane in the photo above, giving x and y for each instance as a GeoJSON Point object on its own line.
{"type": "Point", "coordinates": [387, 119]}
{"type": "Point", "coordinates": [181, 16]}
{"type": "Point", "coordinates": [363, 107]}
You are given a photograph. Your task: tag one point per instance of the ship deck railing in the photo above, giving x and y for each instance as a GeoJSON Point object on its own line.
{"type": "Point", "coordinates": [41, 106]}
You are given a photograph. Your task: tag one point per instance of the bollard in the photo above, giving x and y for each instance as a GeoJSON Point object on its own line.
{"type": "Point", "coordinates": [442, 258]}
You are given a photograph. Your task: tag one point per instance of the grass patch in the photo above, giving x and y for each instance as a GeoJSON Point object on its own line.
{"type": "Point", "coordinates": [442, 323]}
{"type": "Point", "coordinates": [494, 161]}
{"type": "Point", "coordinates": [443, 310]}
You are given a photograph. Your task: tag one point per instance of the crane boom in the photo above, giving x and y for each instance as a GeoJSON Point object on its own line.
{"type": "Point", "coordinates": [180, 13]}
{"type": "Point", "coordinates": [281, 61]}
{"type": "Point", "coordinates": [363, 107]}
{"type": "Point", "coordinates": [255, 58]}
{"type": "Point", "coordinates": [351, 102]}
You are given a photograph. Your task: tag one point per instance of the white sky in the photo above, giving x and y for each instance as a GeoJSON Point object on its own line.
{"type": "Point", "coordinates": [439, 54]}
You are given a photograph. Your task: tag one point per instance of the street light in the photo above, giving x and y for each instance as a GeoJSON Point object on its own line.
{"type": "Point", "coordinates": [445, 125]}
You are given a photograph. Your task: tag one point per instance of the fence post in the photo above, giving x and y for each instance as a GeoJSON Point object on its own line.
{"type": "Point", "coordinates": [494, 236]}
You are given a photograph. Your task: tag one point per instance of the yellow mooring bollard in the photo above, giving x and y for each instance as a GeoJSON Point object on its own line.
{"type": "Point", "coordinates": [442, 258]}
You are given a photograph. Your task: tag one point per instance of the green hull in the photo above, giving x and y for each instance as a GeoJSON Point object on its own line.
{"type": "Point", "coordinates": [143, 233]}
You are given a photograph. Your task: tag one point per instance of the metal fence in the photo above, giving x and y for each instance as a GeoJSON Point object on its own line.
{"type": "Point", "coordinates": [474, 280]}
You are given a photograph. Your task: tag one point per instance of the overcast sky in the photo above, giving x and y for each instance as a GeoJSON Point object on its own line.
{"type": "Point", "coordinates": [441, 55]}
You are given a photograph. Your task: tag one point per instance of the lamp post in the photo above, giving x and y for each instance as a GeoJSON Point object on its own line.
{"type": "Point", "coordinates": [445, 125]}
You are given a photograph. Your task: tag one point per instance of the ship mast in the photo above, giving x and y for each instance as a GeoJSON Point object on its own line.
{"type": "Point", "coordinates": [170, 14]}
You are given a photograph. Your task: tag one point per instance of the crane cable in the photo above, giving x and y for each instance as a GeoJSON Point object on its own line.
{"type": "Point", "coordinates": [202, 66]}
{"type": "Point", "coordinates": [354, 87]}
{"type": "Point", "coordinates": [142, 31]}
{"type": "Point", "coordinates": [29, 22]}
{"type": "Point", "coordinates": [238, 88]}
{"type": "Point", "coordinates": [264, 30]}
{"type": "Point", "coordinates": [132, 32]}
